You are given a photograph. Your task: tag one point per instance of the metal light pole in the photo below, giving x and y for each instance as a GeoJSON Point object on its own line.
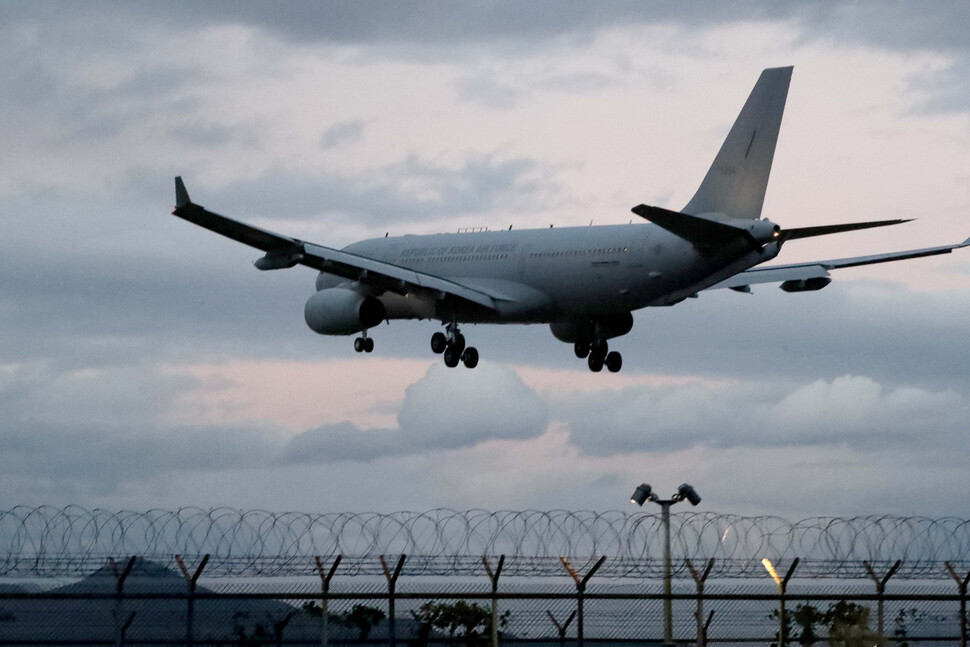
{"type": "Point", "coordinates": [641, 495]}
{"type": "Point", "coordinates": [782, 583]}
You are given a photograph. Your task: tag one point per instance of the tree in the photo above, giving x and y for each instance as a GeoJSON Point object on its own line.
{"type": "Point", "coordinates": [468, 622]}
{"type": "Point", "coordinates": [806, 617]}
{"type": "Point", "coordinates": [360, 617]}
{"type": "Point", "coordinates": [363, 618]}
{"type": "Point", "coordinates": [848, 625]}
{"type": "Point", "coordinates": [258, 637]}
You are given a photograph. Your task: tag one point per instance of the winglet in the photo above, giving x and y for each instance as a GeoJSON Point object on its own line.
{"type": "Point", "coordinates": [181, 195]}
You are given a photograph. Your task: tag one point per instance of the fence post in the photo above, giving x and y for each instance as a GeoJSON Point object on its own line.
{"type": "Point", "coordinates": [699, 579]}
{"type": "Point", "coordinates": [391, 585]}
{"type": "Point", "coordinates": [782, 583]}
{"type": "Point", "coordinates": [580, 593]}
{"type": "Point", "coordinates": [190, 580]}
{"type": "Point", "coordinates": [325, 578]}
{"type": "Point", "coordinates": [962, 584]}
{"type": "Point", "coordinates": [561, 628]}
{"type": "Point", "coordinates": [120, 626]}
{"type": "Point", "coordinates": [124, 627]}
{"type": "Point", "coordinates": [880, 590]}
{"type": "Point", "coordinates": [278, 627]}
{"type": "Point", "coordinates": [494, 579]}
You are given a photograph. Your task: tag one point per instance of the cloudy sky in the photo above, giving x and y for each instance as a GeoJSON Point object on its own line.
{"type": "Point", "coordinates": [145, 363]}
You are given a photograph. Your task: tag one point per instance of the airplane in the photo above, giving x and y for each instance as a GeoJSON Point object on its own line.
{"type": "Point", "coordinates": [584, 282]}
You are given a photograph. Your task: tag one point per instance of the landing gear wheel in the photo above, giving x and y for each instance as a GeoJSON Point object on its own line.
{"type": "Point", "coordinates": [470, 357]}
{"type": "Point", "coordinates": [438, 343]}
{"type": "Point", "coordinates": [614, 361]}
{"type": "Point", "coordinates": [452, 357]}
{"type": "Point", "coordinates": [595, 362]}
{"type": "Point", "coordinates": [581, 348]}
{"type": "Point", "coordinates": [359, 344]}
{"type": "Point", "coordinates": [368, 345]}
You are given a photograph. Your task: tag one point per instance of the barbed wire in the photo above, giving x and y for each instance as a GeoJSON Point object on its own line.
{"type": "Point", "coordinates": [51, 541]}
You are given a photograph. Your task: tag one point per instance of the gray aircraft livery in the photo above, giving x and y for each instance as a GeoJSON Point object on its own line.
{"type": "Point", "coordinates": [582, 281]}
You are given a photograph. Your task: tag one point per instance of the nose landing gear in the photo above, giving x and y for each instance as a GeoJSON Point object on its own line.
{"type": "Point", "coordinates": [452, 346]}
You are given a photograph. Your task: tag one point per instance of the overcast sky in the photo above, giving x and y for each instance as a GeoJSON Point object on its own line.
{"type": "Point", "coordinates": [145, 363]}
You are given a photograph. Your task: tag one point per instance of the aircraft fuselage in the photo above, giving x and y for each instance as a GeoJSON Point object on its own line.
{"type": "Point", "coordinates": [554, 274]}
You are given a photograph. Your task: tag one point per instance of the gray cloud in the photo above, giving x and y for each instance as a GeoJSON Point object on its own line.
{"type": "Point", "coordinates": [90, 430]}
{"type": "Point", "coordinates": [428, 23]}
{"type": "Point", "coordinates": [344, 132]}
{"type": "Point", "coordinates": [424, 22]}
{"type": "Point", "coordinates": [578, 82]}
{"type": "Point", "coordinates": [59, 462]}
{"type": "Point", "coordinates": [485, 91]}
{"type": "Point", "coordinates": [482, 183]}
{"type": "Point", "coordinates": [343, 441]}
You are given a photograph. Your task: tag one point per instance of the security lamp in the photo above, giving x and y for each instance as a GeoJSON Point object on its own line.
{"type": "Point", "coordinates": [771, 570]}
{"type": "Point", "coordinates": [687, 492]}
{"type": "Point", "coordinates": [641, 494]}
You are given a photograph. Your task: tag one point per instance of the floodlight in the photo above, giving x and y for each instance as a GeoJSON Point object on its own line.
{"type": "Point", "coordinates": [641, 494]}
{"type": "Point", "coordinates": [771, 570]}
{"type": "Point", "coordinates": [687, 492]}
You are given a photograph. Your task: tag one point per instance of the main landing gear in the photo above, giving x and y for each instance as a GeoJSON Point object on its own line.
{"type": "Point", "coordinates": [452, 346]}
{"type": "Point", "coordinates": [598, 355]}
{"type": "Point", "coordinates": [364, 344]}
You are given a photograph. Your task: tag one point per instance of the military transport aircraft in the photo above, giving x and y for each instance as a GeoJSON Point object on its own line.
{"type": "Point", "coordinates": [582, 281]}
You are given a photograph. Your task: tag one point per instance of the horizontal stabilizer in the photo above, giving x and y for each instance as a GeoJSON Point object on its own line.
{"type": "Point", "coordinates": [703, 233]}
{"type": "Point", "coordinates": [824, 230]}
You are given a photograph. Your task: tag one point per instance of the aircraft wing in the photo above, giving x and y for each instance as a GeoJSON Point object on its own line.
{"type": "Point", "coordinates": [283, 252]}
{"type": "Point", "coordinates": [800, 275]}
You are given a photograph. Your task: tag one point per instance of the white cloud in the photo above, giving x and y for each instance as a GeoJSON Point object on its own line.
{"type": "Point", "coordinates": [454, 408]}
{"type": "Point", "coordinates": [847, 411]}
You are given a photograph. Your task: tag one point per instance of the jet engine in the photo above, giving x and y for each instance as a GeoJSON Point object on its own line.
{"type": "Point", "coordinates": [339, 311]}
{"type": "Point", "coordinates": [604, 327]}
{"type": "Point", "coordinates": [805, 285]}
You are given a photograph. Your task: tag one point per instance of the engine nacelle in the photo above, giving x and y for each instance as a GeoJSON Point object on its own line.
{"type": "Point", "coordinates": [605, 327]}
{"type": "Point", "coordinates": [340, 311]}
{"type": "Point", "coordinates": [805, 285]}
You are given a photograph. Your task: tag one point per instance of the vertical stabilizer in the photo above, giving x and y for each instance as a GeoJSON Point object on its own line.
{"type": "Point", "coordinates": [735, 184]}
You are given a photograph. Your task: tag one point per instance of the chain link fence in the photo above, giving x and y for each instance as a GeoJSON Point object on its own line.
{"type": "Point", "coordinates": [864, 581]}
{"type": "Point", "coordinates": [148, 604]}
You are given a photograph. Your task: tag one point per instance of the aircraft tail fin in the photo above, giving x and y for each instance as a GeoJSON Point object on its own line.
{"type": "Point", "coordinates": [735, 184]}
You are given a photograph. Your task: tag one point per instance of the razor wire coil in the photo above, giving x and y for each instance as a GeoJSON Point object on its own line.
{"type": "Point", "coordinates": [51, 541]}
